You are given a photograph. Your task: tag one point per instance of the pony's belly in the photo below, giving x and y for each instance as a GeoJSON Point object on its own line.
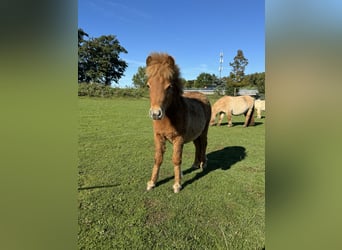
{"type": "Point", "coordinates": [193, 134]}
{"type": "Point", "coordinates": [239, 111]}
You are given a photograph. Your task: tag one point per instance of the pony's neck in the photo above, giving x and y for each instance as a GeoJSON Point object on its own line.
{"type": "Point", "coordinates": [177, 102]}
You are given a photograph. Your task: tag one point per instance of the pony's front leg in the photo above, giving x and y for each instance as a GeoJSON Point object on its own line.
{"type": "Point", "coordinates": [229, 118]}
{"type": "Point", "coordinates": [160, 147]}
{"type": "Point", "coordinates": [177, 161]}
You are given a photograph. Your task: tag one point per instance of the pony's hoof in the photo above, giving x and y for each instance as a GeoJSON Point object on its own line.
{"type": "Point", "coordinates": [150, 185]}
{"type": "Point", "coordinates": [203, 165]}
{"type": "Point", "coordinates": [176, 188]}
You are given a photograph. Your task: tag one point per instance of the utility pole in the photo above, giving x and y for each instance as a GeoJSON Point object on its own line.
{"type": "Point", "coordinates": [221, 62]}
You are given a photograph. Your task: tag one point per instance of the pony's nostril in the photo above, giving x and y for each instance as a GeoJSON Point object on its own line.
{"type": "Point", "coordinates": [156, 114]}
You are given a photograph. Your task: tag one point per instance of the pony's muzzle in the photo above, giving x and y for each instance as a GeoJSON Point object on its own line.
{"type": "Point", "coordinates": [156, 114]}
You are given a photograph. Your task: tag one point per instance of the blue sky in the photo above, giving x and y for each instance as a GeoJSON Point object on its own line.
{"type": "Point", "coordinates": [194, 32]}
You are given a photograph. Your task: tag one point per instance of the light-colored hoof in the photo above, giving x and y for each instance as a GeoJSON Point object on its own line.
{"type": "Point", "coordinates": [203, 165]}
{"type": "Point", "coordinates": [176, 188]}
{"type": "Point", "coordinates": [150, 185]}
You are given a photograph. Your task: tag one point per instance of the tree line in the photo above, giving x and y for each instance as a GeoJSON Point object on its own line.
{"type": "Point", "coordinates": [99, 62]}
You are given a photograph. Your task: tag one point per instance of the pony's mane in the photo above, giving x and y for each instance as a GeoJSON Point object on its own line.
{"type": "Point", "coordinates": [163, 65]}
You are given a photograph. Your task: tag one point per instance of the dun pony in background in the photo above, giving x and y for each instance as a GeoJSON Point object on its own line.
{"type": "Point", "coordinates": [233, 105]}
{"type": "Point", "coordinates": [259, 106]}
{"type": "Point", "coordinates": [176, 117]}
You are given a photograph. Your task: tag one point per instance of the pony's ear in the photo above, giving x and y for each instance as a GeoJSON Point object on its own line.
{"type": "Point", "coordinates": [171, 61]}
{"type": "Point", "coordinates": [148, 60]}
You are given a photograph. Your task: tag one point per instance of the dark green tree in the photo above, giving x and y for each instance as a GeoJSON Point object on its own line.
{"type": "Point", "coordinates": [81, 56]}
{"type": "Point", "coordinates": [81, 35]}
{"type": "Point", "coordinates": [205, 79]}
{"type": "Point", "coordinates": [189, 84]}
{"type": "Point", "coordinates": [238, 68]}
{"type": "Point", "coordinates": [184, 82]}
{"type": "Point", "coordinates": [99, 59]}
{"type": "Point", "coordinates": [260, 82]}
{"type": "Point", "coordinates": [256, 80]}
{"type": "Point", "coordinates": [139, 79]}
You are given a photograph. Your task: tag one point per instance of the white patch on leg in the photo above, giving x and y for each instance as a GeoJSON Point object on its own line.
{"type": "Point", "coordinates": [176, 188]}
{"type": "Point", "coordinates": [150, 185]}
{"type": "Point", "coordinates": [204, 165]}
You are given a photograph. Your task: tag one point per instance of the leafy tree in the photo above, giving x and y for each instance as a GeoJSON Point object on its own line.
{"type": "Point", "coordinates": [256, 80]}
{"type": "Point", "coordinates": [189, 84]}
{"type": "Point", "coordinates": [183, 81]}
{"type": "Point", "coordinates": [205, 79]}
{"type": "Point", "coordinates": [81, 56]}
{"type": "Point", "coordinates": [99, 60]}
{"type": "Point", "coordinates": [238, 68]}
{"type": "Point", "coordinates": [140, 79]}
{"type": "Point", "coordinates": [231, 86]}
{"type": "Point", "coordinates": [260, 82]}
{"type": "Point", "coordinates": [81, 35]}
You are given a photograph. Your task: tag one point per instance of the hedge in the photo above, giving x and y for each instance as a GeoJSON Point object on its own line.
{"type": "Point", "coordinates": [100, 90]}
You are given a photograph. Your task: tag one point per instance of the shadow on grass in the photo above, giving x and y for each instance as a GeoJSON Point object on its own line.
{"type": "Point", "coordinates": [239, 124]}
{"type": "Point", "coordinates": [97, 187]}
{"type": "Point", "coordinates": [219, 159]}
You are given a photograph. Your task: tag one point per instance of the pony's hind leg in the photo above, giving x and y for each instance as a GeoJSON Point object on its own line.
{"type": "Point", "coordinates": [204, 143]}
{"type": "Point", "coordinates": [221, 116]}
{"type": "Point", "coordinates": [197, 160]}
{"type": "Point", "coordinates": [249, 117]}
{"type": "Point", "coordinates": [200, 155]}
{"type": "Point", "coordinates": [158, 159]}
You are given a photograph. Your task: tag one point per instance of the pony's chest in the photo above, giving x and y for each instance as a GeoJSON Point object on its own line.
{"type": "Point", "coordinates": [166, 130]}
{"type": "Point", "coordinates": [170, 135]}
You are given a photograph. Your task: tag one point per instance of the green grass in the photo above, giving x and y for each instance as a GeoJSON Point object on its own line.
{"type": "Point", "coordinates": [220, 208]}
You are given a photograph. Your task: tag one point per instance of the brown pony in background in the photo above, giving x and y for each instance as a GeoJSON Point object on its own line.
{"type": "Point", "coordinates": [176, 117]}
{"type": "Point", "coordinates": [233, 105]}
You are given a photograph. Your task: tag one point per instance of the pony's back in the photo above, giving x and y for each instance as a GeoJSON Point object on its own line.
{"type": "Point", "coordinates": [240, 104]}
{"type": "Point", "coordinates": [197, 120]}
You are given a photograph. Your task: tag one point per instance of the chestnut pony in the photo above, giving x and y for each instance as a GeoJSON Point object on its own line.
{"type": "Point", "coordinates": [233, 105]}
{"type": "Point", "coordinates": [177, 117]}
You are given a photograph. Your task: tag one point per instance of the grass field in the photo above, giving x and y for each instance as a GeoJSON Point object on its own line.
{"type": "Point", "coordinates": [220, 208]}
